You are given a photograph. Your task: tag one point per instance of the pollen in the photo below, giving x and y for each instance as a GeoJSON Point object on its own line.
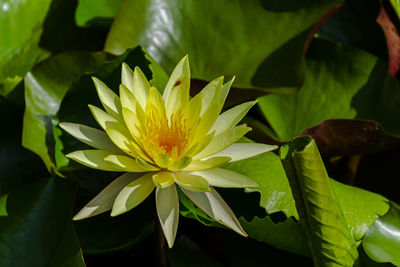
{"type": "Point", "coordinates": [165, 136]}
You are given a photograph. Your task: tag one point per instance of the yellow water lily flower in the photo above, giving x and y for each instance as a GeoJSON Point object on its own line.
{"type": "Point", "coordinates": [161, 141]}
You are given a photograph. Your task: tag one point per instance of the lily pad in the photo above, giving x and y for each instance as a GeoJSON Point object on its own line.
{"type": "Point", "coordinates": [259, 42]}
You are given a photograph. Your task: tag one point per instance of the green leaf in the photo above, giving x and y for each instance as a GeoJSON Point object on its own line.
{"type": "Point", "coordinates": [189, 210]}
{"type": "Point", "coordinates": [321, 216]}
{"type": "Point", "coordinates": [267, 171]}
{"type": "Point", "coordinates": [60, 32]}
{"type": "Point", "coordinates": [45, 87]}
{"type": "Point", "coordinates": [396, 6]}
{"type": "Point", "coordinates": [287, 235]}
{"type": "Point", "coordinates": [382, 240]}
{"type": "Point", "coordinates": [38, 230]}
{"type": "Point", "coordinates": [91, 9]}
{"type": "Point", "coordinates": [3, 202]}
{"type": "Point", "coordinates": [18, 166]}
{"type": "Point", "coordinates": [255, 41]}
{"type": "Point", "coordinates": [20, 27]}
{"type": "Point", "coordinates": [360, 207]}
{"type": "Point", "coordinates": [342, 82]}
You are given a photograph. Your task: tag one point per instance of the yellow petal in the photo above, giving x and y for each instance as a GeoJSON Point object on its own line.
{"type": "Point", "coordinates": [176, 93]}
{"type": "Point", "coordinates": [167, 204]}
{"type": "Point", "coordinates": [191, 112]}
{"type": "Point", "coordinates": [105, 199]}
{"type": "Point", "coordinates": [207, 121]}
{"type": "Point", "coordinates": [90, 136]}
{"type": "Point", "coordinates": [125, 163]}
{"type": "Point", "coordinates": [109, 99]}
{"type": "Point", "coordinates": [122, 141]}
{"type": "Point", "coordinates": [163, 160]}
{"type": "Point", "coordinates": [141, 87]}
{"type": "Point", "coordinates": [128, 100]}
{"type": "Point", "coordinates": [191, 182]}
{"type": "Point", "coordinates": [222, 141]}
{"type": "Point", "coordinates": [180, 164]}
{"type": "Point", "coordinates": [231, 117]}
{"type": "Point", "coordinates": [211, 94]}
{"type": "Point", "coordinates": [94, 159]}
{"type": "Point", "coordinates": [131, 122]}
{"type": "Point", "coordinates": [107, 121]}
{"type": "Point", "coordinates": [145, 165]}
{"type": "Point", "coordinates": [225, 90]}
{"type": "Point", "coordinates": [127, 76]}
{"type": "Point", "coordinates": [133, 194]}
{"type": "Point", "coordinates": [163, 179]}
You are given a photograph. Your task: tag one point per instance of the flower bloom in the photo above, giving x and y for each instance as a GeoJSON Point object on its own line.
{"type": "Point", "coordinates": [161, 141]}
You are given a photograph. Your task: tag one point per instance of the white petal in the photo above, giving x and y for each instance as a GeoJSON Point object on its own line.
{"type": "Point", "coordinates": [107, 121]}
{"type": "Point", "coordinates": [133, 194]}
{"type": "Point", "coordinates": [225, 178]}
{"type": "Point", "coordinates": [198, 165]}
{"type": "Point", "coordinates": [241, 151]}
{"type": "Point", "coordinates": [214, 206]}
{"type": "Point", "coordinates": [222, 141]}
{"type": "Point", "coordinates": [225, 89]}
{"type": "Point", "coordinates": [94, 159]}
{"type": "Point", "coordinates": [109, 99]}
{"type": "Point", "coordinates": [191, 182]}
{"type": "Point", "coordinates": [105, 199]}
{"type": "Point", "coordinates": [125, 163]}
{"type": "Point", "coordinates": [231, 117]}
{"type": "Point", "coordinates": [90, 136]}
{"type": "Point", "coordinates": [168, 212]}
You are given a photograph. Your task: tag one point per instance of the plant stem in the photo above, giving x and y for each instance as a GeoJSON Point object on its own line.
{"type": "Point", "coordinates": [160, 246]}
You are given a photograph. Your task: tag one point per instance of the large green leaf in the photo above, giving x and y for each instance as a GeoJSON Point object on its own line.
{"type": "Point", "coordinates": [360, 207]}
{"type": "Point", "coordinates": [18, 166]}
{"type": "Point", "coordinates": [329, 236]}
{"type": "Point", "coordinates": [20, 26]}
{"type": "Point", "coordinates": [38, 229]}
{"type": "Point", "coordinates": [342, 82]}
{"type": "Point", "coordinates": [91, 9]}
{"type": "Point", "coordinates": [60, 32]}
{"type": "Point", "coordinates": [287, 235]}
{"type": "Point", "coordinates": [259, 42]}
{"type": "Point", "coordinates": [382, 240]}
{"type": "Point", "coordinates": [267, 171]}
{"type": "Point", "coordinates": [45, 87]}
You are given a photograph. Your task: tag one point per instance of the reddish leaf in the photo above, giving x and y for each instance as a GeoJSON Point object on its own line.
{"type": "Point", "coordinates": [392, 40]}
{"type": "Point", "coordinates": [341, 137]}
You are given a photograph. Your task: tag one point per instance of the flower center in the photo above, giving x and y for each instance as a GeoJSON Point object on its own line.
{"type": "Point", "coordinates": [165, 136]}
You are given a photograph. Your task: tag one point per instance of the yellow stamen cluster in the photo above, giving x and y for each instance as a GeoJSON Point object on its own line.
{"type": "Point", "coordinates": [163, 136]}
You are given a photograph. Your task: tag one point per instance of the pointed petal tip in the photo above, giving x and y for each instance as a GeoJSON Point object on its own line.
{"type": "Point", "coordinates": [96, 81]}
{"type": "Point", "coordinates": [115, 213]}
{"type": "Point", "coordinates": [63, 125]}
{"type": "Point", "coordinates": [125, 67]}
{"type": "Point", "coordinates": [77, 217]}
